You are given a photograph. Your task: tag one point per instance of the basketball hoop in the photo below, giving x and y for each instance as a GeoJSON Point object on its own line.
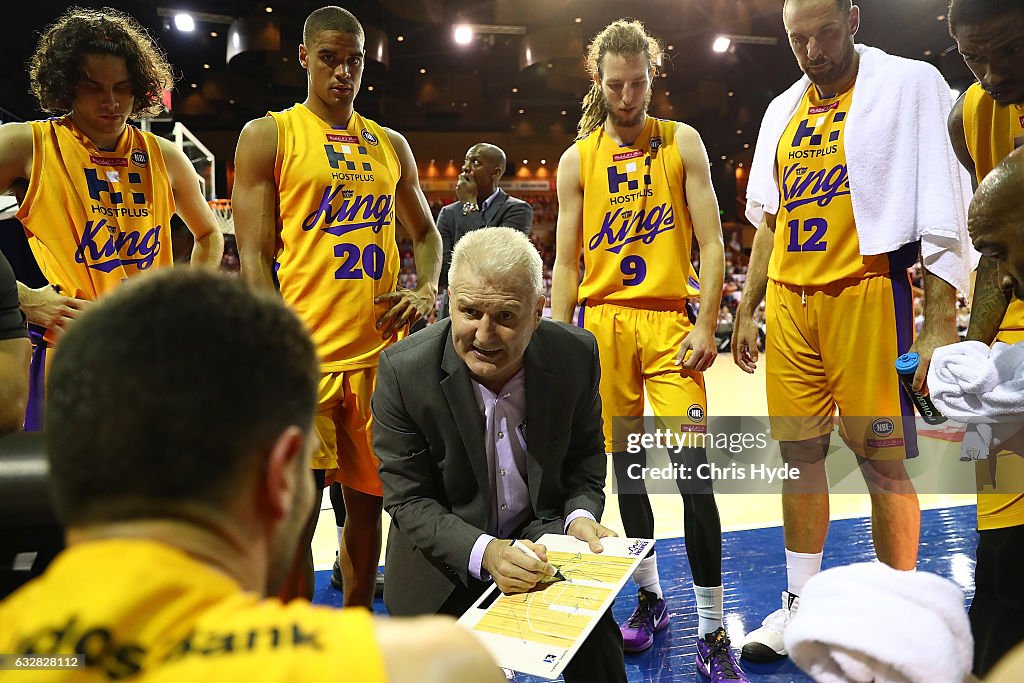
{"type": "Point", "coordinates": [222, 212]}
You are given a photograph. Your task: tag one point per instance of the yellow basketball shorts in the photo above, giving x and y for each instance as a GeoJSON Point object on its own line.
{"type": "Point", "coordinates": [343, 425]}
{"type": "Point", "coordinates": [835, 346]}
{"type": "Point", "coordinates": [638, 347]}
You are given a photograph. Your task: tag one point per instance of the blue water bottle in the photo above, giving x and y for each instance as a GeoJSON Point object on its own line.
{"type": "Point", "coordinates": [906, 368]}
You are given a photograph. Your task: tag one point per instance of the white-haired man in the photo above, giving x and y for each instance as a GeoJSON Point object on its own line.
{"type": "Point", "coordinates": [488, 428]}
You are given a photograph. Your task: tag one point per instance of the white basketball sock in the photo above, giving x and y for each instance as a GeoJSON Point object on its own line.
{"type": "Point", "coordinates": [646, 575]}
{"type": "Point", "coordinates": [800, 567]}
{"type": "Point", "coordinates": [710, 611]}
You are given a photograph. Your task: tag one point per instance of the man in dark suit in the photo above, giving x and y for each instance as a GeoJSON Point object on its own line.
{"type": "Point", "coordinates": [481, 203]}
{"type": "Point", "coordinates": [488, 428]}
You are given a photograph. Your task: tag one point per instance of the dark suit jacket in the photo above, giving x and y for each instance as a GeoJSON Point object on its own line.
{"type": "Point", "coordinates": [504, 211]}
{"type": "Point", "coordinates": [428, 432]}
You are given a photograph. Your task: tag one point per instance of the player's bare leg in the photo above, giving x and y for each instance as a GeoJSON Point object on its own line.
{"type": "Point", "coordinates": [360, 549]}
{"type": "Point", "coordinates": [805, 498]}
{"type": "Point", "coordinates": [895, 512]}
{"type": "Point", "coordinates": [805, 526]}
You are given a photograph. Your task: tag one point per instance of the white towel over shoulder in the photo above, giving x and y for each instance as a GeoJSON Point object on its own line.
{"type": "Point", "coordinates": [905, 182]}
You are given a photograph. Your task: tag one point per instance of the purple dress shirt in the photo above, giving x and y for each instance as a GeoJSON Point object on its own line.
{"type": "Point", "coordinates": [505, 442]}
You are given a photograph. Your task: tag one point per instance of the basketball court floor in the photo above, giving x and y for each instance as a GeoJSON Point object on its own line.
{"type": "Point", "coordinates": [753, 563]}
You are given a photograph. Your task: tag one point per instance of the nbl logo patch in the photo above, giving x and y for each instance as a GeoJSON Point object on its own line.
{"type": "Point", "coordinates": [140, 158]}
{"type": "Point", "coordinates": [883, 426]}
{"type": "Point", "coordinates": [695, 413]}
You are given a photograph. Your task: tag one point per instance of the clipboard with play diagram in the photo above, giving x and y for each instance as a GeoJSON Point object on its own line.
{"type": "Point", "coordinates": [538, 632]}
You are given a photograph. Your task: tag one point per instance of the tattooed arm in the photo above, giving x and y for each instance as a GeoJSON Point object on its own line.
{"type": "Point", "coordinates": [989, 303]}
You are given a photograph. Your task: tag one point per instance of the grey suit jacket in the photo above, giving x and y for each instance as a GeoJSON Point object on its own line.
{"type": "Point", "coordinates": [504, 211]}
{"type": "Point", "coordinates": [428, 432]}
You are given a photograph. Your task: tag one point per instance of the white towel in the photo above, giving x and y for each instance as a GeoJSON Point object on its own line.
{"type": "Point", "coordinates": [970, 383]}
{"type": "Point", "coordinates": [905, 182]}
{"type": "Point", "coordinates": [869, 622]}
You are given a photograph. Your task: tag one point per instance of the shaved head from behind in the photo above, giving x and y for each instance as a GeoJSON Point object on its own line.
{"type": "Point", "coordinates": [331, 18]}
{"type": "Point", "coordinates": [841, 5]}
{"type": "Point", "coordinates": [996, 220]}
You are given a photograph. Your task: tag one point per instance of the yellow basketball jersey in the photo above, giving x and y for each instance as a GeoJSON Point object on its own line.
{"type": "Point", "coordinates": [637, 233]}
{"type": "Point", "coordinates": [816, 241]}
{"type": "Point", "coordinates": [94, 217]}
{"type": "Point", "coordinates": [141, 610]}
{"type": "Point", "coordinates": [337, 248]}
{"type": "Point", "coordinates": [993, 132]}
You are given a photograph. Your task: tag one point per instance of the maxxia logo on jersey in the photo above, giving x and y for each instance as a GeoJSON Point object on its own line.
{"type": "Point", "coordinates": [800, 187]}
{"type": "Point", "coordinates": [806, 135]}
{"type": "Point", "coordinates": [355, 212]}
{"type": "Point", "coordinates": [345, 154]}
{"type": "Point", "coordinates": [136, 248]}
{"type": "Point", "coordinates": [106, 189]}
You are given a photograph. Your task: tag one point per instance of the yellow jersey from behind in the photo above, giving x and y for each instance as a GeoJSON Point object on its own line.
{"type": "Point", "coordinates": [132, 609]}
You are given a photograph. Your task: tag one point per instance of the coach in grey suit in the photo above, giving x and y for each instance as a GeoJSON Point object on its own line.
{"type": "Point", "coordinates": [481, 203]}
{"type": "Point", "coordinates": [488, 429]}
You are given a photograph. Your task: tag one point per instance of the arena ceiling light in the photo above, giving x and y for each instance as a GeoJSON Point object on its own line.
{"type": "Point", "coordinates": [463, 34]}
{"type": "Point", "coordinates": [724, 41]}
{"type": "Point", "coordinates": [184, 22]}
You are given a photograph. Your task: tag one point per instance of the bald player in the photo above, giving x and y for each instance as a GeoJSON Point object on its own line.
{"type": "Point", "coordinates": [996, 225]}
{"type": "Point", "coordinates": [836, 235]}
{"type": "Point", "coordinates": [986, 124]}
{"type": "Point", "coordinates": [480, 203]}
{"type": "Point", "coordinates": [317, 191]}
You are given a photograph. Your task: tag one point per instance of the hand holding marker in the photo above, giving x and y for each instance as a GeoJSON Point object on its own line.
{"type": "Point", "coordinates": [523, 548]}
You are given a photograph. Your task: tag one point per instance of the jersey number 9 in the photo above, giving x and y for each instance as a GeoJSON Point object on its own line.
{"type": "Point", "coordinates": [635, 270]}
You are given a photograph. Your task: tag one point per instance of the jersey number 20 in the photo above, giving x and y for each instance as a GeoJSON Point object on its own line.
{"type": "Point", "coordinates": [372, 261]}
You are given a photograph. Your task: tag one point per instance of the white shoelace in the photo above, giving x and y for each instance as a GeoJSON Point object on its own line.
{"type": "Point", "coordinates": [777, 620]}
